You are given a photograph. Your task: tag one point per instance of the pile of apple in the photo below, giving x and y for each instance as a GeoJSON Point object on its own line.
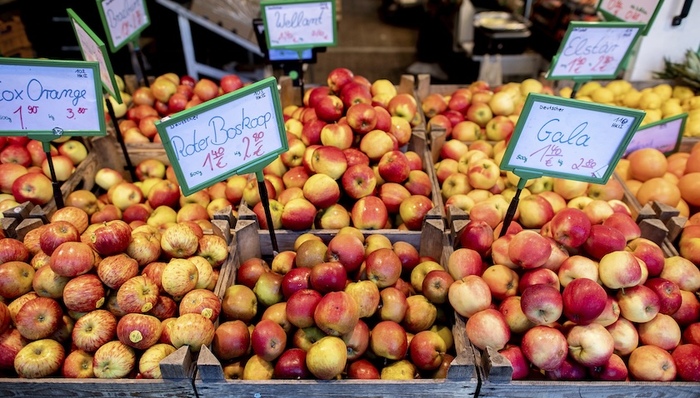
{"type": "Point", "coordinates": [478, 111]}
{"type": "Point", "coordinates": [169, 93]}
{"type": "Point", "coordinates": [471, 180]}
{"type": "Point", "coordinates": [578, 299]}
{"type": "Point", "coordinates": [24, 170]}
{"type": "Point", "coordinates": [659, 101]}
{"type": "Point", "coordinates": [345, 164]}
{"type": "Point", "coordinates": [154, 198]}
{"type": "Point", "coordinates": [103, 299]}
{"type": "Point", "coordinates": [352, 308]}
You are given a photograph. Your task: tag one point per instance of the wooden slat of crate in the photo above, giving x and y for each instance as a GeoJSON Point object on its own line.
{"type": "Point", "coordinates": [461, 381]}
{"type": "Point", "coordinates": [177, 370]}
{"type": "Point", "coordinates": [496, 381]}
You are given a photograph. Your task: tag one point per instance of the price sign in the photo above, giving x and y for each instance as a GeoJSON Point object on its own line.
{"type": "Point", "coordinates": [299, 24]}
{"type": "Point", "coordinates": [237, 133]}
{"type": "Point", "coordinates": [93, 49]}
{"type": "Point", "coordinates": [594, 50]}
{"type": "Point", "coordinates": [643, 11]}
{"type": "Point", "coordinates": [123, 20]}
{"type": "Point", "coordinates": [571, 139]}
{"type": "Point", "coordinates": [664, 135]}
{"type": "Point", "coordinates": [49, 96]}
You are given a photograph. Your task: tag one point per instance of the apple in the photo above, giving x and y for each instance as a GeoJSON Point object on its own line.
{"type": "Point", "coordinates": [502, 281]}
{"type": "Point", "coordinates": [400, 129]}
{"type": "Point", "coordinates": [71, 259]}
{"type": "Point", "coordinates": [328, 277]}
{"type": "Point", "coordinates": [545, 347]}
{"type": "Point", "coordinates": [16, 278]}
{"type": "Point", "coordinates": [361, 117]}
{"type": "Point", "coordinates": [231, 340]}
{"type": "Point", "coordinates": [138, 295]}
{"type": "Point", "coordinates": [193, 330]}
{"type": "Point", "coordinates": [683, 272]}
{"type": "Point", "coordinates": [662, 331]}
{"type": "Point", "coordinates": [40, 358]}
{"type": "Point", "coordinates": [542, 304]}
{"type": "Point", "coordinates": [201, 301]}
{"type": "Point", "coordinates": [268, 289]}
{"type": "Point", "coordinates": [348, 250]}
{"type": "Point", "coordinates": [339, 77]}
{"type": "Point", "coordinates": [403, 105]}
{"type": "Point", "coordinates": [291, 364]}
{"type": "Point", "coordinates": [590, 345]}
{"type": "Point", "coordinates": [327, 357]}
{"type": "Point", "coordinates": [488, 328]}
{"type": "Point", "coordinates": [331, 321]}
{"type": "Point", "coordinates": [329, 108]}
{"type": "Point", "coordinates": [84, 293]}
{"type": "Point", "coordinates": [569, 369]}
{"type": "Point", "coordinates": [33, 187]}
{"type": "Point", "coordinates": [638, 303]}
{"type": "Point", "coordinates": [623, 223]}
{"type": "Point", "coordinates": [113, 360]}
{"type": "Point", "coordinates": [479, 113]}
{"type": "Point", "coordinates": [388, 340]}
{"type": "Point", "coordinates": [619, 269]}
{"type": "Point", "coordinates": [239, 303]}
{"type": "Point", "coordinates": [179, 241]}
{"type": "Point", "coordinates": [15, 153]}
{"type": "Point", "coordinates": [298, 214]}
{"type": "Point", "coordinates": [649, 252]}
{"type": "Point", "coordinates": [651, 363]}
{"type": "Point", "coordinates": [369, 212]}
{"type": "Point", "coordinates": [268, 340]}
{"type": "Point", "coordinates": [669, 293]}
{"type": "Point", "coordinates": [686, 358]}
{"type": "Point", "coordinates": [376, 143]}
{"type": "Point", "coordinates": [583, 300]}
{"type": "Point", "coordinates": [528, 249]}
{"type": "Point", "coordinates": [78, 365]}
{"type": "Point", "coordinates": [139, 331]}
{"type": "Point", "coordinates": [38, 318]}
{"type": "Point", "coordinates": [469, 286]}
{"type": "Point", "coordinates": [689, 310]}
{"type": "Point", "coordinates": [538, 275]}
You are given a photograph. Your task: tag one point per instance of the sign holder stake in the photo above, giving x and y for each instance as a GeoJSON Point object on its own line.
{"type": "Point", "coordinates": [262, 188]}
{"type": "Point", "coordinates": [577, 86]}
{"type": "Point", "coordinates": [117, 130]}
{"type": "Point", "coordinates": [513, 206]}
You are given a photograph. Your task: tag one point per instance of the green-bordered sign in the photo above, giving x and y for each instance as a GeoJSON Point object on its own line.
{"type": "Point", "coordinates": [299, 24]}
{"type": "Point", "coordinates": [594, 50]}
{"type": "Point", "coordinates": [39, 96]}
{"type": "Point", "coordinates": [237, 133]}
{"type": "Point", "coordinates": [570, 139]}
{"type": "Point", "coordinates": [94, 49]}
{"type": "Point", "coordinates": [643, 11]}
{"type": "Point", "coordinates": [123, 20]}
{"type": "Point", "coordinates": [664, 135]}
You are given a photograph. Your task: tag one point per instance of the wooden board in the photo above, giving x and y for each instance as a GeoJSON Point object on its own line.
{"type": "Point", "coordinates": [177, 370]}
{"type": "Point", "coordinates": [210, 382]}
{"type": "Point", "coordinates": [496, 382]}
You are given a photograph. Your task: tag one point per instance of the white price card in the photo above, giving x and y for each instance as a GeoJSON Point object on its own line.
{"type": "Point", "coordinates": [93, 49]}
{"type": "Point", "coordinates": [594, 50]}
{"type": "Point", "coordinates": [571, 139]}
{"type": "Point", "coordinates": [299, 24]}
{"type": "Point", "coordinates": [664, 135]}
{"type": "Point", "coordinates": [123, 20]}
{"type": "Point", "coordinates": [49, 96]}
{"type": "Point", "coordinates": [237, 133]}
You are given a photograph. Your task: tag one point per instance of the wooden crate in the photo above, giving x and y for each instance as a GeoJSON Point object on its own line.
{"type": "Point", "coordinates": [496, 371]}
{"type": "Point", "coordinates": [178, 369]}
{"type": "Point", "coordinates": [210, 381]}
{"type": "Point", "coordinates": [112, 156]}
